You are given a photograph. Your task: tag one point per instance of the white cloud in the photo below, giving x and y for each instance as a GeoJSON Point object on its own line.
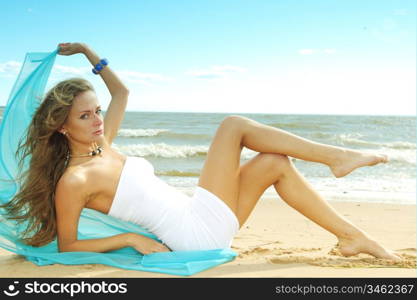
{"type": "Point", "coordinates": [13, 67]}
{"type": "Point", "coordinates": [215, 71]}
{"type": "Point", "coordinates": [10, 67]}
{"type": "Point", "coordinates": [60, 71]}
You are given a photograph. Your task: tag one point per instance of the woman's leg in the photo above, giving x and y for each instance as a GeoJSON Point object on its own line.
{"type": "Point", "coordinates": [294, 189]}
{"type": "Point", "coordinates": [341, 161]}
{"type": "Point", "coordinates": [220, 173]}
{"type": "Point", "coordinates": [268, 169]}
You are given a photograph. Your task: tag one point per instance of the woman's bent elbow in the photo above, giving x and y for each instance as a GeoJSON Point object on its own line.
{"type": "Point", "coordinates": [66, 248]}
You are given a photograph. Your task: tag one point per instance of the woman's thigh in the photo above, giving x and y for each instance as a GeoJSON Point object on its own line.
{"type": "Point", "coordinates": [220, 173]}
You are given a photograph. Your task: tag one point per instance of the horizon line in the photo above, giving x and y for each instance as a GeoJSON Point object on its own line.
{"type": "Point", "coordinates": [263, 113]}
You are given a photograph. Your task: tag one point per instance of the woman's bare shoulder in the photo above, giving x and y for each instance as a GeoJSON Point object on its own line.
{"type": "Point", "coordinates": [72, 184]}
{"type": "Point", "coordinates": [74, 177]}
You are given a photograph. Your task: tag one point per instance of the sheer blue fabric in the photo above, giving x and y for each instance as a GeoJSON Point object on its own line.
{"type": "Point", "coordinates": [25, 97]}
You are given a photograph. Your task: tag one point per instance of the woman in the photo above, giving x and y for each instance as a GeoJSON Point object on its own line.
{"type": "Point", "coordinates": [73, 167]}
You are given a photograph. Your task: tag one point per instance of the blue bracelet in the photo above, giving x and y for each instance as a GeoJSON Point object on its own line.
{"type": "Point", "coordinates": [100, 66]}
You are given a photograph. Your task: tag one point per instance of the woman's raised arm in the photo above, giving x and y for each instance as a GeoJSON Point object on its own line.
{"type": "Point", "coordinates": [119, 92]}
{"type": "Point", "coordinates": [112, 81]}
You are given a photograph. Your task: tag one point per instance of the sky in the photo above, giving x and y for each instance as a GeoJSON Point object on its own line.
{"type": "Point", "coordinates": [351, 57]}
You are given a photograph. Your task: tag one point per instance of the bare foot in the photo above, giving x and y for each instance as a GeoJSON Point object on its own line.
{"type": "Point", "coordinates": [352, 159]}
{"type": "Point", "coordinates": [349, 247]}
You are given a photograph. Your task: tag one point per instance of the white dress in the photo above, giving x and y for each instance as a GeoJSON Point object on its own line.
{"type": "Point", "coordinates": [200, 222]}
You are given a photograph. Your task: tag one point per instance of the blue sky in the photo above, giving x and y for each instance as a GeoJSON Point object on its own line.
{"type": "Point", "coordinates": [277, 56]}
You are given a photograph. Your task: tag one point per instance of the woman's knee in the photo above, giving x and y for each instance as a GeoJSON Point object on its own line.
{"type": "Point", "coordinates": [234, 121]}
{"type": "Point", "coordinates": [275, 162]}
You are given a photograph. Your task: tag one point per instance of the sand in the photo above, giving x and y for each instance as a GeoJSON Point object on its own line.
{"type": "Point", "coordinates": [277, 241]}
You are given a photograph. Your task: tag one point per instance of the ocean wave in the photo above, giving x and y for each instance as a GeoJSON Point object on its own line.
{"type": "Point", "coordinates": [353, 139]}
{"type": "Point", "coordinates": [151, 132]}
{"type": "Point", "coordinates": [400, 145]}
{"type": "Point", "coordinates": [407, 157]}
{"type": "Point", "coordinates": [186, 136]}
{"type": "Point", "coordinates": [346, 140]}
{"type": "Point", "coordinates": [140, 132]}
{"type": "Point", "coordinates": [343, 139]}
{"type": "Point", "coordinates": [172, 151]}
{"type": "Point", "coordinates": [162, 150]}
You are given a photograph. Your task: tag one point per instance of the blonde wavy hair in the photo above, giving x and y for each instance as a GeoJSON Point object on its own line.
{"type": "Point", "coordinates": [34, 202]}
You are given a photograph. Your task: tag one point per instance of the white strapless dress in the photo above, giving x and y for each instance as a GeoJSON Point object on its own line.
{"type": "Point", "coordinates": [200, 222]}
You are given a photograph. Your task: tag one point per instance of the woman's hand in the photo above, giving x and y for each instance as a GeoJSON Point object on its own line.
{"type": "Point", "coordinates": [146, 245]}
{"type": "Point", "coordinates": [71, 48]}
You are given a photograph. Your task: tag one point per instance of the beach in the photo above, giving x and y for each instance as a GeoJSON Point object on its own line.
{"type": "Point", "coordinates": [277, 241]}
{"type": "Point", "coordinates": [162, 80]}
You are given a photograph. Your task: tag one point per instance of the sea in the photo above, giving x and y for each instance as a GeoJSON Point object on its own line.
{"type": "Point", "coordinates": [176, 143]}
